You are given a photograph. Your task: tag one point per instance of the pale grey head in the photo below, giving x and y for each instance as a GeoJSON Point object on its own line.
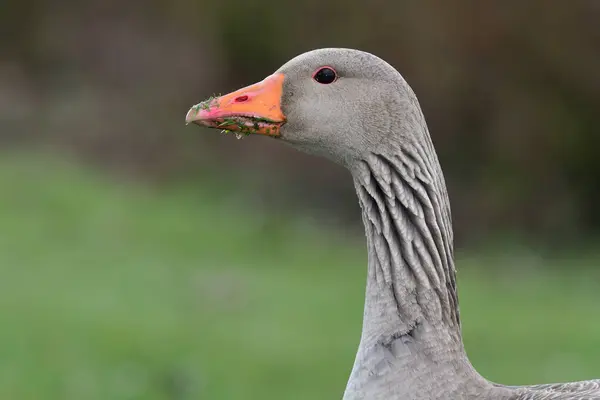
{"type": "Point", "coordinates": [368, 107]}
{"type": "Point", "coordinates": [350, 116]}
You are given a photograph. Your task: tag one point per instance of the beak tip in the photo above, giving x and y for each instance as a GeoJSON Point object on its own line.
{"type": "Point", "coordinates": [191, 115]}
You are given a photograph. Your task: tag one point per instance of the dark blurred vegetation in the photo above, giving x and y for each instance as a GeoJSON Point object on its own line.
{"type": "Point", "coordinates": [510, 90]}
{"type": "Point", "coordinates": [140, 259]}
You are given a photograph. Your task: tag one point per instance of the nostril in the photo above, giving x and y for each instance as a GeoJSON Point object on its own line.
{"type": "Point", "coordinates": [241, 99]}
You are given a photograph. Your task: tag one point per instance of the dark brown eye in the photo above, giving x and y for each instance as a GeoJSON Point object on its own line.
{"type": "Point", "coordinates": [325, 75]}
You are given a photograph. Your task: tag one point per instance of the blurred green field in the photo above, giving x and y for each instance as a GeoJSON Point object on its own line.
{"type": "Point", "coordinates": [112, 290]}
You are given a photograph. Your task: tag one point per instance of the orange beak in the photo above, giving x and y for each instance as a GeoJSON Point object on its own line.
{"type": "Point", "coordinates": [253, 109]}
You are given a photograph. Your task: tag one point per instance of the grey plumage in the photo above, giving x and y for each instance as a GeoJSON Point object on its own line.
{"type": "Point", "coordinates": [584, 390]}
{"type": "Point", "coordinates": [370, 121]}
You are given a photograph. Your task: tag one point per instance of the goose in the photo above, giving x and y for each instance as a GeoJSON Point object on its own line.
{"type": "Point", "coordinates": [355, 109]}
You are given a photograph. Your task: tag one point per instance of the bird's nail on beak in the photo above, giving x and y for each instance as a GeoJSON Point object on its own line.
{"type": "Point", "coordinates": [253, 109]}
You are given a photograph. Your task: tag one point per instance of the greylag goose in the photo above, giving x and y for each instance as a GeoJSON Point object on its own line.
{"type": "Point", "coordinates": [357, 110]}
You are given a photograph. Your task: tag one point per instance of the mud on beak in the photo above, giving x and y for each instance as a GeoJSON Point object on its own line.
{"type": "Point", "coordinates": [255, 109]}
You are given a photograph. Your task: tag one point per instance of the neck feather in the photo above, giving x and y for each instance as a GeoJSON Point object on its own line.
{"type": "Point", "coordinates": [407, 220]}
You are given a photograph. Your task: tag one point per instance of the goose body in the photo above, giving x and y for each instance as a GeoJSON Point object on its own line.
{"type": "Point", "coordinates": [357, 110]}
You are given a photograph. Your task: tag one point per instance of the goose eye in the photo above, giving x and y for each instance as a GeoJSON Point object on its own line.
{"type": "Point", "coordinates": [325, 75]}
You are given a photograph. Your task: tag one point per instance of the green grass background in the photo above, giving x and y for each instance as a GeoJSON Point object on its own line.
{"type": "Point", "coordinates": [113, 290]}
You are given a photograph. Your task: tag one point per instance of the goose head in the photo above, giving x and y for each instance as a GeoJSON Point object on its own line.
{"type": "Point", "coordinates": [338, 103]}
